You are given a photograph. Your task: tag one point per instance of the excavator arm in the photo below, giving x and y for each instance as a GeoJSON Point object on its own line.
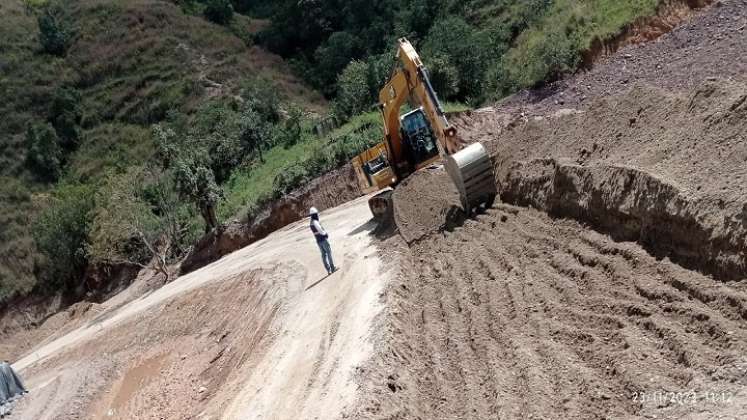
{"type": "Point", "coordinates": [410, 81]}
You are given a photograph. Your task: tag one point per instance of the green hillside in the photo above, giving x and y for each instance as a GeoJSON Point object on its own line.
{"type": "Point", "coordinates": [476, 50]}
{"type": "Point", "coordinates": [129, 127]}
{"type": "Point", "coordinates": [128, 64]}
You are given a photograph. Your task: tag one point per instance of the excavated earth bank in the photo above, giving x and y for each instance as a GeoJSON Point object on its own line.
{"type": "Point", "coordinates": [666, 170]}
{"type": "Point", "coordinates": [615, 290]}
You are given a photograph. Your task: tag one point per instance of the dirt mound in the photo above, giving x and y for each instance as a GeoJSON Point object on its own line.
{"type": "Point", "coordinates": [702, 234]}
{"type": "Point", "coordinates": [426, 202]}
{"type": "Point", "coordinates": [327, 191]}
{"type": "Point", "coordinates": [517, 315]}
{"type": "Point", "coordinates": [708, 45]}
{"type": "Point", "coordinates": [681, 189]}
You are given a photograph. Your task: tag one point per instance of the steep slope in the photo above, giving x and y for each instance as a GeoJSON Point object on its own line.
{"type": "Point", "coordinates": [129, 63]}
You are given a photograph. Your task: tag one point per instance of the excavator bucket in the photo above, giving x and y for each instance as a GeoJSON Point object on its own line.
{"type": "Point", "coordinates": [382, 207]}
{"type": "Point", "coordinates": [471, 170]}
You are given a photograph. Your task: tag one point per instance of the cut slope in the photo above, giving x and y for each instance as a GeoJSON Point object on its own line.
{"type": "Point", "coordinates": [661, 168]}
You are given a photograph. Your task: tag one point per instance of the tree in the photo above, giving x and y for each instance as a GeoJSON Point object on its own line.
{"type": "Point", "coordinates": [61, 233]}
{"type": "Point", "coordinates": [43, 151]}
{"type": "Point", "coordinates": [219, 11]}
{"type": "Point", "coordinates": [456, 42]}
{"type": "Point", "coordinates": [291, 130]}
{"type": "Point", "coordinates": [444, 76]}
{"type": "Point", "coordinates": [255, 132]}
{"type": "Point", "coordinates": [332, 57]}
{"type": "Point", "coordinates": [55, 29]}
{"type": "Point", "coordinates": [196, 183]}
{"type": "Point", "coordinates": [379, 71]}
{"type": "Point", "coordinates": [261, 96]}
{"type": "Point", "coordinates": [126, 230]}
{"type": "Point", "coordinates": [353, 92]}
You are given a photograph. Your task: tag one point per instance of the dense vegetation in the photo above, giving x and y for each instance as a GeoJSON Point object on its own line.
{"type": "Point", "coordinates": [131, 127]}
{"type": "Point", "coordinates": [84, 87]}
{"type": "Point", "coordinates": [476, 49]}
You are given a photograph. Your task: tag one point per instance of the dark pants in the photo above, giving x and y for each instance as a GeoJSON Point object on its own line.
{"type": "Point", "coordinates": [326, 255]}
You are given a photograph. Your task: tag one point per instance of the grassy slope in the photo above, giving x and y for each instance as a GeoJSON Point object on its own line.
{"type": "Point", "coordinates": [132, 60]}
{"type": "Point", "coordinates": [246, 187]}
{"type": "Point", "coordinates": [135, 59]}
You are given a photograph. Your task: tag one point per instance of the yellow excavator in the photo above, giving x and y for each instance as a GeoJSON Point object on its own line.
{"type": "Point", "coordinates": [418, 139]}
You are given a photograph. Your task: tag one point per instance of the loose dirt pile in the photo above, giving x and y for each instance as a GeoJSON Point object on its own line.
{"type": "Point", "coordinates": [420, 211]}
{"type": "Point", "coordinates": [517, 315]}
{"type": "Point", "coordinates": [667, 170]}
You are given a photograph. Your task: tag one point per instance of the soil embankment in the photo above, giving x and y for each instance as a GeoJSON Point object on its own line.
{"type": "Point", "coordinates": [667, 170]}
{"type": "Point", "coordinates": [518, 315]}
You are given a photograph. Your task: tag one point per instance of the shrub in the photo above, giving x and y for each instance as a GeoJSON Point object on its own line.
{"type": "Point", "coordinates": [353, 92]}
{"type": "Point", "coordinates": [55, 29]}
{"type": "Point", "coordinates": [65, 115]}
{"type": "Point", "coordinates": [219, 11]}
{"type": "Point", "coordinates": [539, 57]}
{"type": "Point", "coordinates": [289, 179]}
{"type": "Point", "coordinates": [60, 233]}
{"type": "Point", "coordinates": [43, 151]}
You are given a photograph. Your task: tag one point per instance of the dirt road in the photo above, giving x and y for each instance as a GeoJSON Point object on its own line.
{"type": "Point", "coordinates": [262, 333]}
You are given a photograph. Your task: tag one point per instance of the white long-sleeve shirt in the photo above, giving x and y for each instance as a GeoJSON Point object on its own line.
{"type": "Point", "coordinates": [319, 229]}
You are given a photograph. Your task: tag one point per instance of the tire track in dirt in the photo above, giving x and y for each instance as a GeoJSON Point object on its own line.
{"type": "Point", "coordinates": [518, 315]}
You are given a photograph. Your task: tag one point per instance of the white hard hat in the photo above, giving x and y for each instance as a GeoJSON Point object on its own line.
{"type": "Point", "coordinates": [313, 211]}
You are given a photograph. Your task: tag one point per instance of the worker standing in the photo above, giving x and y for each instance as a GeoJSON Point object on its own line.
{"type": "Point", "coordinates": [321, 239]}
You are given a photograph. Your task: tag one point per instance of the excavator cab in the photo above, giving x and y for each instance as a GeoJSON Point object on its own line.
{"type": "Point", "coordinates": [418, 139]}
